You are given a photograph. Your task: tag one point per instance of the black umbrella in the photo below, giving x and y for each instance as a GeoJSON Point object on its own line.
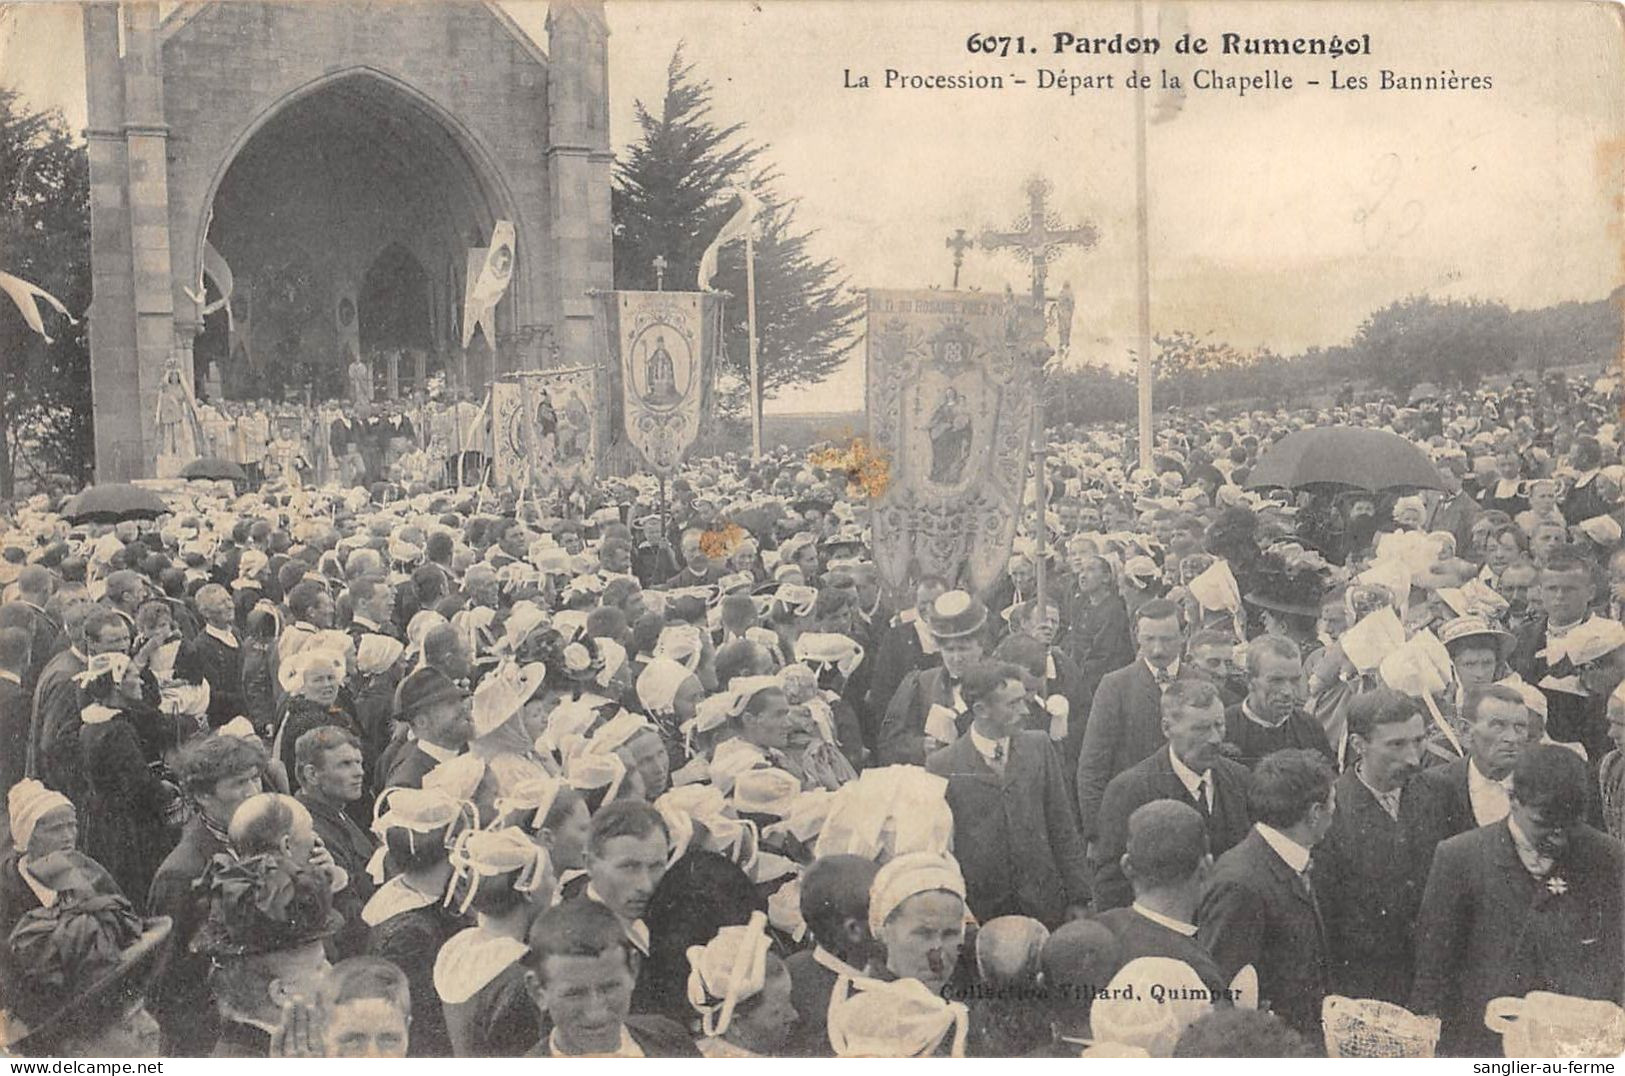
{"type": "Point", "coordinates": [213, 468]}
{"type": "Point", "coordinates": [1345, 456]}
{"type": "Point", "coordinates": [114, 502]}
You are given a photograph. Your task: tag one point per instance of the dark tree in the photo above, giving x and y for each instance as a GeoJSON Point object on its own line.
{"type": "Point", "coordinates": [45, 421]}
{"type": "Point", "coordinates": [1421, 339]}
{"type": "Point", "coordinates": [670, 200]}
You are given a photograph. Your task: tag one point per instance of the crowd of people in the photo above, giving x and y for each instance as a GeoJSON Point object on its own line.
{"type": "Point", "coordinates": [332, 768]}
{"type": "Point", "coordinates": [346, 443]}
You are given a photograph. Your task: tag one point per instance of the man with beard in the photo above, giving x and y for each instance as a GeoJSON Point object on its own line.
{"type": "Point", "coordinates": [1363, 871]}
{"type": "Point", "coordinates": [1531, 903]}
{"type": "Point", "coordinates": [1189, 769]}
{"type": "Point", "coordinates": [1269, 719]}
{"type": "Point", "coordinates": [439, 713]}
{"type": "Point", "coordinates": [1519, 585]}
{"type": "Point", "coordinates": [1097, 634]}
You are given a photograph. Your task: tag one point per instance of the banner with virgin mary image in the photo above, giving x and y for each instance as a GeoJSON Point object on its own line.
{"type": "Point", "coordinates": [661, 346]}
{"type": "Point", "coordinates": [950, 402]}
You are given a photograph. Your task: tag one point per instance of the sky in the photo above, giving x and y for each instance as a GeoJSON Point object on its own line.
{"type": "Point", "coordinates": [1277, 219]}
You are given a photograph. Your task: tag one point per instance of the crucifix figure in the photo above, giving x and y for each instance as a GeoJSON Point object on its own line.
{"type": "Point", "coordinates": [660, 272]}
{"type": "Point", "coordinates": [959, 242]}
{"type": "Point", "coordinates": [1039, 235]}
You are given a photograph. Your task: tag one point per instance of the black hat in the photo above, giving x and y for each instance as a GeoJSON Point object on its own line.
{"type": "Point", "coordinates": [81, 962]}
{"type": "Point", "coordinates": [263, 904]}
{"type": "Point", "coordinates": [1284, 586]}
{"type": "Point", "coordinates": [424, 688]}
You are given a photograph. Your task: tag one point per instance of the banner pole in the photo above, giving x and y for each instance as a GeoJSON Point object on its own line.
{"type": "Point", "coordinates": [755, 368]}
{"type": "Point", "coordinates": [1142, 214]}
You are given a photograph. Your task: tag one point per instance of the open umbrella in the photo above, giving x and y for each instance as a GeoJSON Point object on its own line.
{"type": "Point", "coordinates": [1345, 456]}
{"type": "Point", "coordinates": [114, 502]}
{"type": "Point", "coordinates": [213, 468]}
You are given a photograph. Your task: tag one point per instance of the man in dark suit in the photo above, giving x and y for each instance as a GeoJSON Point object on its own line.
{"type": "Point", "coordinates": [1443, 801]}
{"type": "Point", "coordinates": [913, 725]}
{"type": "Point", "coordinates": [1566, 590]}
{"type": "Point", "coordinates": [1189, 769]}
{"type": "Point", "coordinates": [1167, 859]}
{"type": "Point", "coordinates": [34, 585]}
{"type": "Point", "coordinates": [1097, 636]}
{"type": "Point", "coordinates": [1014, 834]}
{"type": "Point", "coordinates": [372, 602]}
{"type": "Point", "coordinates": [1269, 719]}
{"type": "Point", "coordinates": [438, 712]}
{"type": "Point", "coordinates": [213, 656]}
{"type": "Point", "coordinates": [1258, 907]}
{"type": "Point", "coordinates": [1125, 718]}
{"type": "Point", "coordinates": [16, 708]}
{"type": "Point", "coordinates": [1364, 871]}
{"type": "Point", "coordinates": [1532, 903]}
{"type": "Point", "coordinates": [905, 645]}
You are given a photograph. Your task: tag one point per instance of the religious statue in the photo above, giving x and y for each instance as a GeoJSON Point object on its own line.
{"type": "Point", "coordinates": [360, 380]}
{"type": "Point", "coordinates": [1064, 307]}
{"type": "Point", "coordinates": [950, 431]}
{"type": "Point", "coordinates": [179, 432]}
{"type": "Point", "coordinates": [212, 383]}
{"type": "Point", "coordinates": [662, 374]}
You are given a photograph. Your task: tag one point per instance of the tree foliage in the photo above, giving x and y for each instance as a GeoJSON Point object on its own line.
{"type": "Point", "coordinates": [1454, 343]}
{"type": "Point", "coordinates": [669, 201]}
{"type": "Point", "coordinates": [45, 420]}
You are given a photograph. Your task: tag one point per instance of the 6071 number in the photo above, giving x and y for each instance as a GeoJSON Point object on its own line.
{"type": "Point", "coordinates": [996, 44]}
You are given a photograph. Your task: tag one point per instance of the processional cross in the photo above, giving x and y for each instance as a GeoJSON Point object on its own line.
{"type": "Point", "coordinates": [660, 272]}
{"type": "Point", "coordinates": [1038, 235]}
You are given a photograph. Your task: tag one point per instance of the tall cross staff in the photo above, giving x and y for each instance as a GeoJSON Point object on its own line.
{"type": "Point", "coordinates": [1038, 237]}
{"type": "Point", "coordinates": [660, 272]}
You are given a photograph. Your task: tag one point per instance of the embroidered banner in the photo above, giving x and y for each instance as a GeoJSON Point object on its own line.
{"type": "Point", "coordinates": [489, 270]}
{"type": "Point", "coordinates": [661, 354]}
{"type": "Point", "coordinates": [512, 435]}
{"type": "Point", "coordinates": [564, 405]}
{"type": "Point", "coordinates": [950, 402]}
{"type": "Point", "coordinates": [543, 431]}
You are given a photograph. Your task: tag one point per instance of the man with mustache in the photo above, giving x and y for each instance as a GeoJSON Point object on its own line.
{"type": "Point", "coordinates": [1189, 769]}
{"type": "Point", "coordinates": [1363, 869]}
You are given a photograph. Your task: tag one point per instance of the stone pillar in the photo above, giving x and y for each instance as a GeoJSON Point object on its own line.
{"type": "Point", "coordinates": [579, 160]}
{"type": "Point", "coordinates": [578, 163]}
{"type": "Point", "coordinates": [133, 328]}
{"type": "Point", "coordinates": [113, 362]}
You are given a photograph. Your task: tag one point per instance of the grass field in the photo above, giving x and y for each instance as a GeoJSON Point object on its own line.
{"type": "Point", "coordinates": [803, 430]}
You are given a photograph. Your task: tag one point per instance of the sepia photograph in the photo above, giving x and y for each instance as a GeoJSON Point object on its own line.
{"type": "Point", "coordinates": [811, 529]}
